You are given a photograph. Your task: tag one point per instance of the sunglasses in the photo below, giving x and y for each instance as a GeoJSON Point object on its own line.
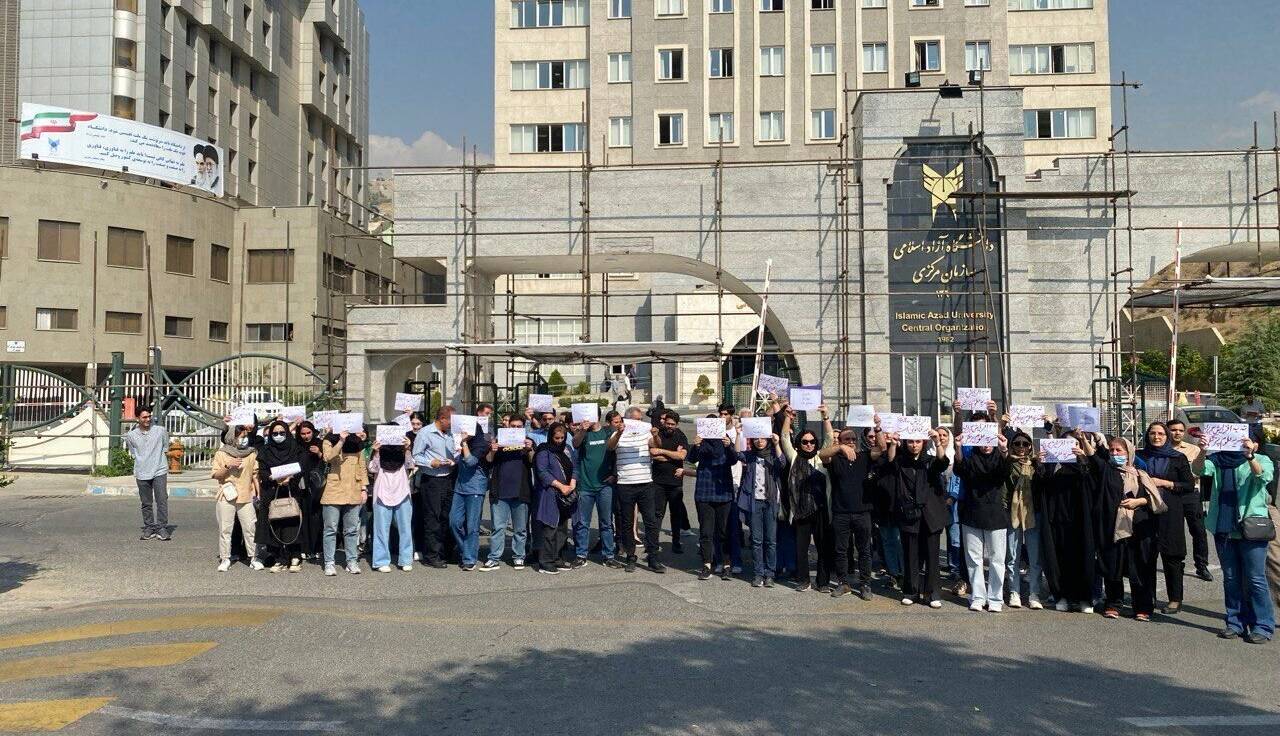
{"type": "Point", "coordinates": [1022, 445]}
{"type": "Point", "coordinates": [808, 442]}
{"type": "Point", "coordinates": [279, 434]}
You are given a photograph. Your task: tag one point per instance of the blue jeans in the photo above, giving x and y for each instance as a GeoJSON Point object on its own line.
{"type": "Point", "coordinates": [764, 538]}
{"type": "Point", "coordinates": [349, 515]}
{"type": "Point", "coordinates": [382, 518]}
{"type": "Point", "coordinates": [600, 501]}
{"type": "Point", "coordinates": [464, 522]}
{"type": "Point", "coordinates": [1016, 540]}
{"type": "Point", "coordinates": [1244, 586]}
{"type": "Point", "coordinates": [513, 514]}
{"type": "Point", "coordinates": [891, 543]}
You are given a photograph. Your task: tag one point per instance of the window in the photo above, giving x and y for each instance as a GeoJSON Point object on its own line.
{"type": "Point", "coordinates": [926, 3]}
{"type": "Point", "coordinates": [125, 323]}
{"type": "Point", "coordinates": [927, 56]}
{"type": "Point", "coordinates": [771, 126]}
{"type": "Point", "coordinates": [620, 132]}
{"type": "Point", "coordinates": [620, 67]}
{"type": "Point", "coordinates": [177, 327]}
{"type": "Point", "coordinates": [4, 318]}
{"type": "Point", "coordinates": [527, 75]}
{"type": "Point", "coordinates": [548, 138]}
{"type": "Point", "coordinates": [128, 6]}
{"type": "Point", "coordinates": [670, 65]}
{"type": "Point", "coordinates": [50, 318]}
{"type": "Point", "coordinates": [977, 56]}
{"type": "Point", "coordinates": [671, 129]}
{"type": "Point", "coordinates": [268, 332]}
{"type": "Point", "coordinates": [875, 57]}
{"type": "Point", "coordinates": [670, 7]}
{"type": "Point", "coordinates": [180, 256]}
{"type": "Point", "coordinates": [619, 8]}
{"type": "Point", "coordinates": [124, 247]}
{"type": "Point", "coordinates": [874, 3]}
{"type": "Point", "coordinates": [823, 124]}
{"type": "Point", "coordinates": [124, 107]}
{"type": "Point", "coordinates": [338, 274]}
{"type": "Point", "coordinates": [720, 127]}
{"type": "Point", "coordinates": [270, 266]}
{"type": "Point", "coordinates": [192, 33]}
{"type": "Point", "coordinates": [548, 13]}
{"type": "Point", "coordinates": [219, 262]}
{"type": "Point", "coordinates": [772, 61]}
{"type": "Point", "coordinates": [722, 6]}
{"type": "Point", "coordinates": [1068, 123]}
{"type": "Point", "coordinates": [822, 59]}
{"type": "Point", "coordinates": [4, 237]}
{"type": "Point", "coordinates": [58, 241]}
{"type": "Point", "coordinates": [1049, 4]}
{"type": "Point", "coordinates": [720, 64]}
{"type": "Point", "coordinates": [976, 3]}
{"type": "Point", "coordinates": [126, 54]}
{"type": "Point", "coordinates": [219, 331]}
{"type": "Point", "coordinates": [770, 6]}
{"type": "Point", "coordinates": [1069, 58]}
{"type": "Point", "coordinates": [822, 4]}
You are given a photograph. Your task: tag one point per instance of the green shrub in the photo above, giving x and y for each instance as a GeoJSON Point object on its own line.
{"type": "Point", "coordinates": [556, 384]}
{"type": "Point", "coordinates": [119, 462]}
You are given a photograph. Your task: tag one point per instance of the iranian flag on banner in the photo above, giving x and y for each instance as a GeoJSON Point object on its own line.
{"type": "Point", "coordinates": [53, 122]}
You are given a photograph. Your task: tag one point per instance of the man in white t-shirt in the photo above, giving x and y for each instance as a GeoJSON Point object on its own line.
{"type": "Point", "coordinates": [633, 464]}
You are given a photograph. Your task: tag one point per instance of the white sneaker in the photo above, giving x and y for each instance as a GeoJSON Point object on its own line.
{"type": "Point", "coordinates": [518, 563]}
{"type": "Point", "coordinates": [1086, 609]}
{"type": "Point", "coordinates": [407, 568]}
{"type": "Point", "coordinates": [487, 565]}
{"type": "Point", "coordinates": [994, 608]}
{"type": "Point", "coordinates": [255, 565]}
{"type": "Point", "coordinates": [353, 567]}
{"type": "Point", "coordinates": [416, 557]}
{"type": "Point", "coordinates": [330, 571]}
{"type": "Point", "coordinates": [907, 601]}
{"type": "Point", "coordinates": [1062, 606]}
{"type": "Point", "coordinates": [975, 606]}
{"type": "Point", "coordinates": [224, 565]}
{"type": "Point", "coordinates": [1015, 600]}
{"type": "Point", "coordinates": [1034, 604]}
{"type": "Point", "coordinates": [384, 568]}
{"type": "Point", "coordinates": [935, 604]}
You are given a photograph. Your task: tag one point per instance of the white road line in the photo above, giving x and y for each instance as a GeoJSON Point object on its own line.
{"type": "Point", "coordinates": [218, 724]}
{"type": "Point", "coordinates": [1268, 719]}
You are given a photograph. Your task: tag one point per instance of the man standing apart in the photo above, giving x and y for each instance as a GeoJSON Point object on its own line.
{"type": "Point", "coordinates": [635, 488]}
{"type": "Point", "coordinates": [433, 451]}
{"type": "Point", "coordinates": [147, 444]}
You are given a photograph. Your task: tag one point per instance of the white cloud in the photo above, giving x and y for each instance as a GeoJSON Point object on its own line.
{"type": "Point", "coordinates": [1266, 100]}
{"type": "Point", "coordinates": [429, 150]}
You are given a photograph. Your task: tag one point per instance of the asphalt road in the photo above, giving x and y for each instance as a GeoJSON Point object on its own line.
{"type": "Point", "coordinates": [102, 634]}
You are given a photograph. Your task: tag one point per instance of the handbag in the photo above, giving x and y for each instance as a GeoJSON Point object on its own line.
{"type": "Point", "coordinates": [229, 492]}
{"type": "Point", "coordinates": [1257, 528]}
{"type": "Point", "coordinates": [567, 501]}
{"type": "Point", "coordinates": [281, 509]}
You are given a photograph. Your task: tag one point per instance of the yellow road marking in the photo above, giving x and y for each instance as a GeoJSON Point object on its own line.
{"type": "Point", "coordinates": [80, 663]}
{"type": "Point", "coordinates": [46, 715]}
{"type": "Point", "coordinates": [140, 626]}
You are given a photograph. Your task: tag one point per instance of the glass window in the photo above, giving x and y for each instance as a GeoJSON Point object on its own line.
{"type": "Point", "coordinates": [620, 67]}
{"type": "Point", "coordinates": [670, 7]}
{"type": "Point", "coordinates": [1050, 4]}
{"type": "Point", "coordinates": [1065, 123]}
{"type": "Point", "coordinates": [270, 266]}
{"type": "Point", "coordinates": [177, 326]}
{"type": "Point", "coordinates": [268, 332]}
{"type": "Point", "coordinates": [219, 331]}
{"type": "Point", "coordinates": [51, 318]}
{"type": "Point", "coordinates": [548, 13]}
{"type": "Point", "coordinates": [4, 317]}
{"type": "Point", "coordinates": [722, 6]}
{"type": "Point", "coordinates": [927, 57]}
{"type": "Point", "coordinates": [874, 3]}
{"type": "Point", "coordinates": [977, 56]}
{"type": "Point", "coordinates": [822, 4]}
{"type": "Point", "coordinates": [620, 132]}
{"type": "Point", "coordinates": [720, 64]}
{"type": "Point", "coordinates": [671, 129]}
{"type": "Point", "coordinates": [128, 6]}
{"type": "Point", "coordinates": [126, 54]}
{"type": "Point", "coordinates": [127, 323]}
{"type": "Point", "coordinates": [824, 124]}
{"type": "Point", "coordinates": [124, 107]}
{"type": "Point", "coordinates": [771, 126]}
{"type": "Point", "coordinates": [58, 241]}
{"type": "Point", "coordinates": [4, 237]}
{"type": "Point", "coordinates": [875, 57]}
{"type": "Point", "coordinates": [619, 8]}
{"type": "Point", "coordinates": [822, 59]}
{"type": "Point", "coordinates": [219, 262]}
{"type": "Point", "coordinates": [670, 64]}
{"type": "Point", "coordinates": [179, 256]}
{"type": "Point", "coordinates": [772, 5]}
{"type": "Point", "coordinates": [720, 127]}
{"type": "Point", "coordinates": [772, 62]}
{"type": "Point", "coordinates": [1070, 58]}
{"type": "Point", "coordinates": [124, 247]}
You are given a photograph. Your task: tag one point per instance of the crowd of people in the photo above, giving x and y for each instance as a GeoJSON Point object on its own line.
{"type": "Point", "coordinates": [860, 505]}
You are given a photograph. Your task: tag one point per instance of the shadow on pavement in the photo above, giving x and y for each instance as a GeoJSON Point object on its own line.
{"type": "Point", "coordinates": [15, 573]}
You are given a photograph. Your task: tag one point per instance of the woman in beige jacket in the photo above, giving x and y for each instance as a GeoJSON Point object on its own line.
{"type": "Point", "coordinates": [235, 467]}
{"type": "Point", "coordinates": [345, 491]}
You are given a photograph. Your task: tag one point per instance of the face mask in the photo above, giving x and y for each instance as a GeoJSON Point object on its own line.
{"type": "Point", "coordinates": [1119, 460]}
{"type": "Point", "coordinates": [279, 439]}
{"type": "Point", "coordinates": [242, 442]}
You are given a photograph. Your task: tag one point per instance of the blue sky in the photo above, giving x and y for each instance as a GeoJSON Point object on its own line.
{"type": "Point", "coordinates": [1209, 68]}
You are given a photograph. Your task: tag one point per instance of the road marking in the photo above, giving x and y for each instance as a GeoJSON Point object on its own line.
{"type": "Point", "coordinates": [140, 626]}
{"type": "Point", "coordinates": [218, 724]}
{"type": "Point", "coordinates": [1268, 719]}
{"type": "Point", "coordinates": [81, 663]}
{"type": "Point", "coordinates": [46, 715]}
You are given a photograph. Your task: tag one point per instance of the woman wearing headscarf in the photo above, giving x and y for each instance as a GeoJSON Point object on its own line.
{"type": "Point", "coordinates": [1127, 529]}
{"type": "Point", "coordinates": [1068, 540]}
{"type": "Point", "coordinates": [391, 503]}
{"type": "Point", "coordinates": [713, 499]}
{"type": "Point", "coordinates": [809, 495]}
{"type": "Point", "coordinates": [555, 488]}
{"type": "Point", "coordinates": [1240, 481]}
{"type": "Point", "coordinates": [918, 495]}
{"type": "Point", "coordinates": [235, 468]}
{"type": "Point", "coordinates": [313, 473]}
{"type": "Point", "coordinates": [283, 535]}
{"type": "Point", "coordinates": [984, 520]}
{"type": "Point", "coordinates": [345, 491]}
{"type": "Point", "coordinates": [1170, 471]}
{"type": "Point", "coordinates": [1025, 522]}
{"type": "Point", "coordinates": [759, 496]}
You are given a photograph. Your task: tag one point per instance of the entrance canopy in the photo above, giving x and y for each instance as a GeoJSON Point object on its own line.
{"type": "Point", "coordinates": [1211, 293]}
{"type": "Point", "coordinates": [603, 353]}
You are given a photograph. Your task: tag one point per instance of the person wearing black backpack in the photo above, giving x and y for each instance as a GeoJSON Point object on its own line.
{"type": "Point", "coordinates": [918, 494]}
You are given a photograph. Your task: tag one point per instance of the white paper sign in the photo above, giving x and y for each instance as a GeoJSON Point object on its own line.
{"type": "Point", "coordinates": [1063, 413]}
{"type": "Point", "coordinates": [860, 415]}
{"type": "Point", "coordinates": [973, 399]}
{"type": "Point", "coordinates": [351, 422]}
{"type": "Point", "coordinates": [914, 428]}
{"type": "Point", "coordinates": [636, 426]}
{"type": "Point", "coordinates": [482, 425]}
{"type": "Point", "coordinates": [1085, 418]}
{"type": "Point", "coordinates": [772, 385]}
{"type": "Point", "coordinates": [324, 419]}
{"type": "Point", "coordinates": [541, 403]}
{"type": "Point", "coordinates": [284, 471]}
{"type": "Point", "coordinates": [293, 414]}
{"type": "Point", "coordinates": [390, 434]}
{"type": "Point", "coordinates": [585, 412]}
{"type": "Point", "coordinates": [408, 402]}
{"type": "Point", "coordinates": [511, 437]}
{"type": "Point", "coordinates": [805, 399]}
{"type": "Point", "coordinates": [241, 418]}
{"type": "Point", "coordinates": [980, 434]}
{"type": "Point", "coordinates": [404, 420]}
{"type": "Point", "coordinates": [1223, 436]}
{"type": "Point", "coordinates": [1026, 417]}
{"type": "Point", "coordinates": [890, 422]}
{"type": "Point", "coordinates": [1058, 450]}
{"type": "Point", "coordinates": [710, 428]}
{"type": "Point", "coordinates": [757, 428]}
{"type": "Point", "coordinates": [464, 424]}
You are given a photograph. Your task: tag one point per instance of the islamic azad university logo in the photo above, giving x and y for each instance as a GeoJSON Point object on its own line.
{"type": "Point", "coordinates": [942, 188]}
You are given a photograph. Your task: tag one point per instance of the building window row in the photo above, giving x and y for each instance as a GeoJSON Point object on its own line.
{"type": "Point", "coordinates": [528, 75]}
{"type": "Point", "coordinates": [58, 319]}
{"type": "Point", "coordinates": [1064, 58]}
{"type": "Point", "coordinates": [670, 128]}
{"type": "Point", "coordinates": [1063, 123]}
{"type": "Point", "coordinates": [1050, 4]}
{"type": "Point", "coordinates": [550, 13]}
{"type": "Point", "coordinates": [548, 138]}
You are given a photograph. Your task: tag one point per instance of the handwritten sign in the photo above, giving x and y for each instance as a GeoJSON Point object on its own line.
{"type": "Point", "coordinates": [860, 415]}
{"type": "Point", "coordinates": [1058, 450]}
{"type": "Point", "coordinates": [636, 426]}
{"type": "Point", "coordinates": [890, 422]}
{"type": "Point", "coordinates": [408, 402]}
{"type": "Point", "coordinates": [464, 424]}
{"type": "Point", "coordinates": [284, 471]}
{"type": "Point", "coordinates": [241, 418]}
{"type": "Point", "coordinates": [351, 422]}
{"type": "Point", "coordinates": [293, 414]}
{"type": "Point", "coordinates": [511, 437]}
{"type": "Point", "coordinates": [1026, 416]}
{"type": "Point", "coordinates": [482, 425]}
{"type": "Point", "coordinates": [805, 399]}
{"type": "Point", "coordinates": [404, 420]}
{"type": "Point", "coordinates": [585, 412]}
{"type": "Point", "coordinates": [757, 428]}
{"type": "Point", "coordinates": [915, 428]}
{"type": "Point", "coordinates": [1063, 413]}
{"type": "Point", "coordinates": [710, 428]}
{"type": "Point", "coordinates": [980, 434]}
{"type": "Point", "coordinates": [324, 419]}
{"type": "Point", "coordinates": [1085, 418]}
{"type": "Point", "coordinates": [541, 403]}
{"type": "Point", "coordinates": [1224, 436]}
{"type": "Point", "coordinates": [772, 385]}
{"type": "Point", "coordinates": [973, 399]}
{"type": "Point", "coordinates": [390, 434]}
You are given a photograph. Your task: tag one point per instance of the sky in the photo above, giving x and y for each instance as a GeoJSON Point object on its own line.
{"type": "Point", "coordinates": [1209, 68]}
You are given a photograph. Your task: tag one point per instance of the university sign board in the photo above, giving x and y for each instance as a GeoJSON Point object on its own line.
{"type": "Point", "coordinates": [58, 135]}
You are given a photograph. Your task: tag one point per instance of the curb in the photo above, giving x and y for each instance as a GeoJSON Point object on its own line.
{"type": "Point", "coordinates": [174, 491]}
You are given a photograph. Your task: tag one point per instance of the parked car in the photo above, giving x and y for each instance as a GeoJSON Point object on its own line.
{"type": "Point", "coordinates": [1194, 416]}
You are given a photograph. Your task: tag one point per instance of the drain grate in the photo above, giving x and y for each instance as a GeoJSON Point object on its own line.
{"type": "Point", "coordinates": [55, 498]}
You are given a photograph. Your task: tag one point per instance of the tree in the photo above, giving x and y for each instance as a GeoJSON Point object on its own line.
{"type": "Point", "coordinates": [1194, 372]}
{"type": "Point", "coordinates": [556, 384]}
{"type": "Point", "coordinates": [583, 388]}
{"type": "Point", "coordinates": [704, 387]}
{"type": "Point", "coordinates": [1250, 365]}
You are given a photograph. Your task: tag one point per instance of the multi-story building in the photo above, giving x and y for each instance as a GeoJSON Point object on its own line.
{"type": "Point", "coordinates": [639, 81]}
{"type": "Point", "coordinates": [8, 80]}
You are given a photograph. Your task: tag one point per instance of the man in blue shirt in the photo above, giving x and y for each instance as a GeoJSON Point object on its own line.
{"type": "Point", "coordinates": [433, 454]}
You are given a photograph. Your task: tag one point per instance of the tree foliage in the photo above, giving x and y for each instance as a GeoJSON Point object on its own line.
{"type": "Point", "coordinates": [1250, 365]}
{"type": "Point", "coordinates": [556, 383]}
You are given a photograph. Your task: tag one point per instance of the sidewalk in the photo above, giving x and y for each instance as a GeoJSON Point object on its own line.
{"type": "Point", "coordinates": [190, 484]}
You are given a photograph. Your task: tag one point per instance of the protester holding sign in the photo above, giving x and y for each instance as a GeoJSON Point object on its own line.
{"type": "Point", "coordinates": [848, 467]}
{"type": "Point", "coordinates": [713, 493]}
{"type": "Point", "coordinates": [1128, 502]}
{"type": "Point", "coordinates": [760, 496]}
{"type": "Point", "coordinates": [1193, 504]}
{"type": "Point", "coordinates": [556, 491]}
{"type": "Point", "coordinates": [235, 468]}
{"type": "Point", "coordinates": [635, 490]}
{"type": "Point", "coordinates": [594, 444]}
{"type": "Point", "coordinates": [391, 503]}
{"type": "Point", "coordinates": [913, 480]}
{"type": "Point", "coordinates": [345, 492]}
{"type": "Point", "coordinates": [1171, 473]}
{"type": "Point", "coordinates": [984, 521]}
{"type": "Point", "coordinates": [433, 452]}
{"type": "Point", "coordinates": [809, 510]}
{"type": "Point", "coordinates": [469, 490]}
{"type": "Point", "coordinates": [510, 495]}
{"type": "Point", "coordinates": [1068, 538]}
{"type": "Point", "coordinates": [1025, 523]}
